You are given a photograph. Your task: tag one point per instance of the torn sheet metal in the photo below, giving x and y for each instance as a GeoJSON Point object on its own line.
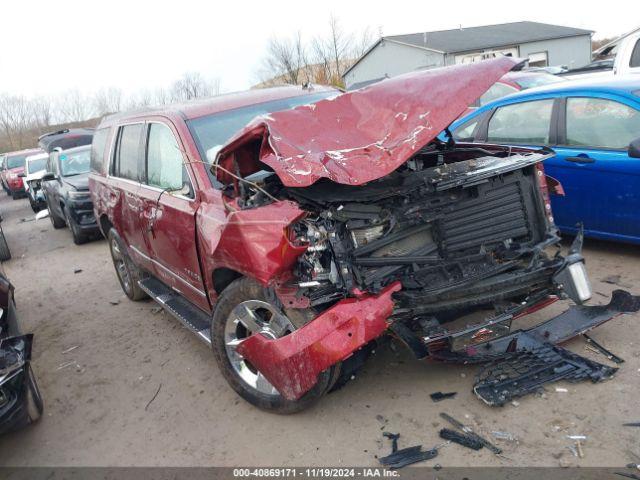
{"type": "Point", "coordinates": [292, 363]}
{"type": "Point", "coordinates": [361, 135]}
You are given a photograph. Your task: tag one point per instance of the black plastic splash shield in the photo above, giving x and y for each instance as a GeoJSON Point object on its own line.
{"type": "Point", "coordinates": [527, 369]}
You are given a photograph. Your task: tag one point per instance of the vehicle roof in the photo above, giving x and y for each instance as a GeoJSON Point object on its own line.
{"type": "Point", "coordinates": [23, 152]}
{"type": "Point", "coordinates": [622, 85]}
{"type": "Point", "coordinates": [220, 103]}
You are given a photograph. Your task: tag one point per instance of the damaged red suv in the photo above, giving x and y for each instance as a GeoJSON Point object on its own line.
{"type": "Point", "coordinates": [293, 228]}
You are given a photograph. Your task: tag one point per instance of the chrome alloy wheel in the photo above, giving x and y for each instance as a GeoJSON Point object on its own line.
{"type": "Point", "coordinates": [121, 265]}
{"type": "Point", "coordinates": [248, 318]}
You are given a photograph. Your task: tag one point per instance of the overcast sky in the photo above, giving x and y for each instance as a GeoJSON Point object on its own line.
{"type": "Point", "coordinates": [52, 45]}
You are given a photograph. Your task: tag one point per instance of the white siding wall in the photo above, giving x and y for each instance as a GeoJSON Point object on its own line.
{"type": "Point", "coordinates": [391, 59]}
{"type": "Point", "coordinates": [573, 52]}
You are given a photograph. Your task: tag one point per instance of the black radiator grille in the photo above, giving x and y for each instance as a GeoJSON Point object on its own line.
{"type": "Point", "coordinates": [496, 214]}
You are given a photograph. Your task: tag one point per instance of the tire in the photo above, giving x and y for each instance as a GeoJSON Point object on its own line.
{"type": "Point", "coordinates": [33, 205]}
{"type": "Point", "coordinates": [5, 253]}
{"type": "Point", "coordinates": [15, 195]}
{"type": "Point", "coordinates": [78, 237]}
{"type": "Point", "coordinates": [249, 292]}
{"type": "Point", "coordinates": [127, 272]}
{"type": "Point", "coordinates": [56, 221]}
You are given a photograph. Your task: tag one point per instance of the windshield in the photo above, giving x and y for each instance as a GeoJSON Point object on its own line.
{"type": "Point", "coordinates": [37, 165]}
{"type": "Point", "coordinates": [74, 163]}
{"type": "Point", "coordinates": [213, 131]}
{"type": "Point", "coordinates": [16, 161]}
{"type": "Point", "coordinates": [538, 80]}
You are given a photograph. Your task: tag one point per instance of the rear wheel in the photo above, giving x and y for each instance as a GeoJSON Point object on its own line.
{"type": "Point", "coordinates": [243, 309]}
{"type": "Point", "coordinates": [15, 195]}
{"type": "Point", "coordinates": [127, 272]}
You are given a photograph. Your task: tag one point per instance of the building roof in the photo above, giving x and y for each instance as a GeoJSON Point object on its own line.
{"type": "Point", "coordinates": [488, 36]}
{"type": "Point", "coordinates": [483, 37]}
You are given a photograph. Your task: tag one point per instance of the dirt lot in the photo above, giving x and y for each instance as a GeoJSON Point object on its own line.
{"type": "Point", "coordinates": [96, 409]}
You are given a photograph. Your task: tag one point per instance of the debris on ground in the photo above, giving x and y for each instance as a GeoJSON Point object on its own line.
{"type": "Point", "coordinates": [153, 398]}
{"type": "Point", "coordinates": [70, 349]}
{"type": "Point", "coordinates": [526, 370]}
{"type": "Point", "coordinates": [114, 302]}
{"type": "Point", "coordinates": [561, 390]}
{"type": "Point", "coordinates": [509, 437]}
{"type": "Point", "coordinates": [77, 270]}
{"type": "Point", "coordinates": [469, 431]}
{"type": "Point", "coordinates": [631, 424]}
{"type": "Point", "coordinates": [65, 365]}
{"type": "Point", "coordinates": [394, 440]}
{"type": "Point", "coordinates": [407, 456]}
{"type": "Point", "coordinates": [439, 396]}
{"type": "Point", "coordinates": [461, 439]}
{"type": "Point", "coordinates": [602, 350]}
{"type": "Point", "coordinates": [156, 310]}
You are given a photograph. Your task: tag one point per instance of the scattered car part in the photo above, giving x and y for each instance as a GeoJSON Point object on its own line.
{"type": "Point", "coordinates": [632, 424]}
{"type": "Point", "coordinates": [407, 456]}
{"type": "Point", "coordinates": [394, 440]}
{"type": "Point", "coordinates": [604, 351]}
{"type": "Point", "coordinates": [461, 439]}
{"type": "Point", "coordinates": [469, 431]}
{"type": "Point", "coordinates": [504, 436]}
{"type": "Point", "coordinates": [526, 369]}
{"type": "Point", "coordinates": [439, 396]}
{"type": "Point", "coordinates": [628, 475]}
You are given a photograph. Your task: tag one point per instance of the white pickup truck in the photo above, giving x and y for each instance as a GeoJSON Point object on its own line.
{"type": "Point", "coordinates": [619, 57]}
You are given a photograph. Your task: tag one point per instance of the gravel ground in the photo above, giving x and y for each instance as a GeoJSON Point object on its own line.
{"type": "Point", "coordinates": [97, 410]}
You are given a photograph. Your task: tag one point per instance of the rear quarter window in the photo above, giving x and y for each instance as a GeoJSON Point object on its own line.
{"type": "Point", "coordinates": [98, 146]}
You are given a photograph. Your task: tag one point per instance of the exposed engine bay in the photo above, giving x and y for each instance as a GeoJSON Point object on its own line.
{"type": "Point", "coordinates": [457, 226]}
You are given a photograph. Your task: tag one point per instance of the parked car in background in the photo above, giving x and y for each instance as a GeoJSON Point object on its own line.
{"type": "Point", "coordinates": [66, 190]}
{"type": "Point", "coordinates": [593, 125]}
{"type": "Point", "coordinates": [35, 168]}
{"type": "Point", "coordinates": [292, 243]}
{"type": "Point", "coordinates": [20, 400]}
{"type": "Point", "coordinates": [65, 139]}
{"type": "Point", "coordinates": [13, 166]}
{"type": "Point", "coordinates": [619, 57]}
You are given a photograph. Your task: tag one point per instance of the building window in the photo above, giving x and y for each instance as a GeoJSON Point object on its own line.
{"type": "Point", "coordinates": [539, 59]}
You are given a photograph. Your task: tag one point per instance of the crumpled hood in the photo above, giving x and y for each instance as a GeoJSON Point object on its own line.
{"type": "Point", "coordinates": [361, 135]}
{"type": "Point", "coordinates": [79, 182]}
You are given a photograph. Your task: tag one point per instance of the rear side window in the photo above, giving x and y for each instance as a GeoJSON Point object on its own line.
{"type": "Point", "coordinates": [597, 122]}
{"type": "Point", "coordinates": [97, 150]}
{"type": "Point", "coordinates": [524, 123]}
{"type": "Point", "coordinates": [128, 152]}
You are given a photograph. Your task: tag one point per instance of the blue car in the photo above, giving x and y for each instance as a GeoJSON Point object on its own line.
{"type": "Point", "coordinates": [594, 128]}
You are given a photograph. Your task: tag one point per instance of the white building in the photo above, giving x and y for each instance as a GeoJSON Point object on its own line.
{"type": "Point", "coordinates": [540, 43]}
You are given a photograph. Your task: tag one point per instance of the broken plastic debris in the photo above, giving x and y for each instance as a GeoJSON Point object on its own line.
{"type": "Point", "coordinates": [561, 390]}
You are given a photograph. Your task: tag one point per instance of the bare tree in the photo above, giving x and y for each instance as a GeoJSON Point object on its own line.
{"type": "Point", "coordinates": [286, 61]}
{"type": "Point", "coordinates": [192, 85]}
{"type": "Point", "coordinates": [73, 106]}
{"type": "Point", "coordinates": [15, 119]}
{"type": "Point", "coordinates": [107, 100]}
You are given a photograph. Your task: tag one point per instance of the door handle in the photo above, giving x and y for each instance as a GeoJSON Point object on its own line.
{"type": "Point", "coordinates": [580, 159]}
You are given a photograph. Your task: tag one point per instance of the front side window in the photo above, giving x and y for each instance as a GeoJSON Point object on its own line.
{"type": "Point", "coordinates": [464, 132]}
{"type": "Point", "coordinates": [597, 122]}
{"type": "Point", "coordinates": [524, 123]}
{"type": "Point", "coordinates": [127, 155]}
{"type": "Point", "coordinates": [164, 159]}
{"type": "Point", "coordinates": [74, 163]}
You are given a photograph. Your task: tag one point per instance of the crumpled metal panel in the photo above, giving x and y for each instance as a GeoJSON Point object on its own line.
{"type": "Point", "coordinates": [292, 363]}
{"type": "Point", "coordinates": [361, 135]}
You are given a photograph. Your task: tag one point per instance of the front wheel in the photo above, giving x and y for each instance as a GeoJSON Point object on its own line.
{"type": "Point", "coordinates": [243, 309]}
{"type": "Point", "coordinates": [78, 237]}
{"type": "Point", "coordinates": [56, 221]}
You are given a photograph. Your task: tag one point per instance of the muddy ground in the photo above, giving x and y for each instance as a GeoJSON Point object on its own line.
{"type": "Point", "coordinates": [97, 409]}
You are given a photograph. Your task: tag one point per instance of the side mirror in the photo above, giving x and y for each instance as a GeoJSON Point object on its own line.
{"type": "Point", "coordinates": [634, 148]}
{"type": "Point", "coordinates": [48, 176]}
{"type": "Point", "coordinates": [22, 175]}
